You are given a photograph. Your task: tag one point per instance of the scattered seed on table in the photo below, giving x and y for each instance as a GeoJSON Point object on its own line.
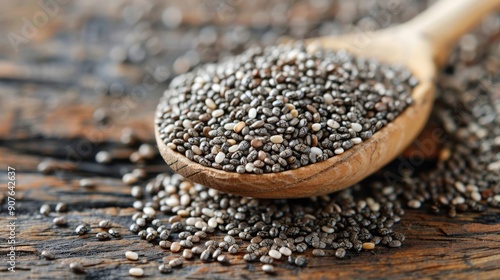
{"type": "Point", "coordinates": [318, 253]}
{"type": "Point", "coordinates": [175, 247]}
{"type": "Point", "coordinates": [250, 257]}
{"type": "Point", "coordinates": [135, 157]}
{"type": "Point", "coordinates": [394, 243]}
{"type": "Point", "coordinates": [301, 247]}
{"type": "Point", "coordinates": [414, 204]}
{"type": "Point", "coordinates": [187, 254]}
{"type": "Point", "coordinates": [136, 271]}
{"type": "Point", "coordinates": [266, 259]}
{"type": "Point", "coordinates": [216, 253]}
{"type": "Point", "coordinates": [87, 183]}
{"type": "Point", "coordinates": [76, 267]}
{"type": "Point", "coordinates": [114, 233]}
{"type": "Point", "coordinates": [147, 151]}
{"type": "Point", "coordinates": [452, 212]}
{"type": "Point", "coordinates": [285, 251]}
{"type": "Point", "coordinates": [134, 228]}
{"type": "Point", "coordinates": [398, 236]}
{"type": "Point", "coordinates": [223, 259]}
{"type": "Point", "coordinates": [60, 221]}
{"type": "Point", "coordinates": [48, 255]}
{"type": "Point", "coordinates": [276, 139]}
{"type": "Point", "coordinates": [46, 167]}
{"type": "Point", "coordinates": [300, 261]}
{"type": "Point", "coordinates": [175, 262]}
{"type": "Point", "coordinates": [267, 268]}
{"type": "Point", "coordinates": [233, 249]}
{"type": "Point", "coordinates": [205, 255]}
{"type": "Point", "coordinates": [211, 243]}
{"type": "Point", "coordinates": [133, 256]}
{"type": "Point", "coordinates": [100, 115]}
{"type": "Point", "coordinates": [150, 211]}
{"type": "Point", "coordinates": [45, 210]}
{"type": "Point", "coordinates": [128, 136]}
{"type": "Point", "coordinates": [340, 253]}
{"type": "Point", "coordinates": [130, 179]}
{"type": "Point", "coordinates": [102, 236]}
{"type": "Point", "coordinates": [274, 254]}
{"type": "Point", "coordinates": [151, 236]}
{"type": "Point", "coordinates": [136, 191]}
{"type": "Point", "coordinates": [61, 207]}
{"type": "Point", "coordinates": [282, 245]}
{"type": "Point", "coordinates": [476, 196]}
{"type": "Point", "coordinates": [368, 246]}
{"type": "Point", "coordinates": [197, 250]}
{"type": "Point", "coordinates": [103, 157]}
{"type": "Point", "coordinates": [141, 222]}
{"type": "Point", "coordinates": [165, 244]}
{"type": "Point", "coordinates": [82, 229]}
{"type": "Point", "coordinates": [105, 224]}
{"type": "Point", "coordinates": [165, 268]}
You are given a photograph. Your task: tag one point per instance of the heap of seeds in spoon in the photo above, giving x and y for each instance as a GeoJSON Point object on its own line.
{"type": "Point", "coordinates": [279, 108]}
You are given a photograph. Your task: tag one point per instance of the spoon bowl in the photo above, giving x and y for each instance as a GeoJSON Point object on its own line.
{"type": "Point", "coordinates": [420, 45]}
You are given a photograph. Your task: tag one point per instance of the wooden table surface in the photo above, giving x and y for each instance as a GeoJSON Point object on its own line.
{"type": "Point", "coordinates": [50, 116]}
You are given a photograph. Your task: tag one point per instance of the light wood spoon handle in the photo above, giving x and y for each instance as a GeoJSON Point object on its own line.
{"type": "Point", "coordinates": [446, 21]}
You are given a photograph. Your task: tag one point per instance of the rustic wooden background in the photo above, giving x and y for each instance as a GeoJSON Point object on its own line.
{"type": "Point", "coordinates": [48, 96]}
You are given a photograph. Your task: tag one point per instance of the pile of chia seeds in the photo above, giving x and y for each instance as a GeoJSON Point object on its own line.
{"type": "Point", "coordinates": [190, 221]}
{"type": "Point", "coordinates": [280, 108]}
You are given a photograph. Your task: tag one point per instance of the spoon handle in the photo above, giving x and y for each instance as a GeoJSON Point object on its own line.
{"type": "Point", "coordinates": [444, 22]}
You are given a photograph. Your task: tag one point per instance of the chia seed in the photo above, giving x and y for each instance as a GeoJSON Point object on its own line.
{"type": "Point", "coordinates": [340, 253]}
{"type": "Point", "coordinates": [102, 236]}
{"type": "Point", "coordinates": [76, 267]}
{"type": "Point", "coordinates": [45, 210]}
{"type": "Point", "coordinates": [114, 233]}
{"type": "Point", "coordinates": [60, 221]}
{"type": "Point", "coordinates": [300, 261]}
{"type": "Point", "coordinates": [267, 268]}
{"type": "Point", "coordinates": [165, 268]}
{"type": "Point", "coordinates": [105, 224]}
{"type": "Point", "coordinates": [48, 255]}
{"type": "Point", "coordinates": [82, 229]}
{"type": "Point", "coordinates": [61, 207]}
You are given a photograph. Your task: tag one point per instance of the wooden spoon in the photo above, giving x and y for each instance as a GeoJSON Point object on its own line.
{"type": "Point", "coordinates": [421, 45]}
